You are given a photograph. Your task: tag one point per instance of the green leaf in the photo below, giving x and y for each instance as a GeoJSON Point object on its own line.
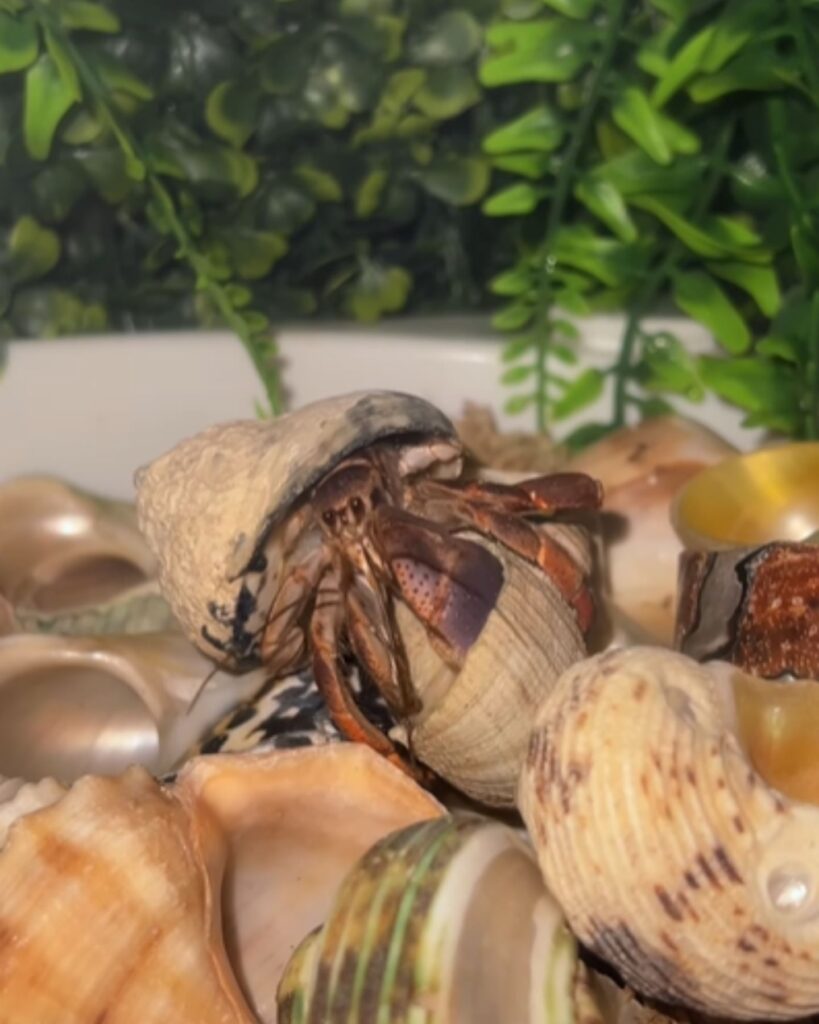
{"type": "Point", "coordinates": [605, 259]}
{"type": "Point", "coordinates": [446, 93]}
{"type": "Point", "coordinates": [107, 171]}
{"type": "Point", "coordinates": [652, 130]}
{"type": "Point", "coordinates": [760, 282]}
{"type": "Point", "coordinates": [754, 384]}
{"type": "Point", "coordinates": [513, 317]}
{"type": "Point", "coordinates": [253, 253]}
{"type": "Point", "coordinates": [717, 238]}
{"type": "Point", "coordinates": [552, 50]}
{"type": "Point", "coordinates": [538, 129]}
{"type": "Point", "coordinates": [572, 8]}
{"type": "Point", "coordinates": [82, 14]}
{"type": "Point", "coordinates": [451, 38]}
{"type": "Point", "coordinates": [534, 166]}
{"type": "Point", "coordinates": [586, 435]}
{"type": "Point", "coordinates": [321, 184]}
{"type": "Point", "coordinates": [677, 10]}
{"type": "Point", "coordinates": [517, 375]}
{"type": "Point", "coordinates": [757, 69]}
{"type": "Point", "coordinates": [231, 111]}
{"type": "Point", "coordinates": [518, 404]}
{"type": "Point", "coordinates": [51, 312]}
{"type": "Point", "coordinates": [515, 348]}
{"type": "Point", "coordinates": [683, 66]}
{"type": "Point", "coordinates": [701, 298]}
{"type": "Point", "coordinates": [667, 366]}
{"type": "Point", "coordinates": [117, 77]}
{"type": "Point", "coordinates": [606, 202]}
{"type": "Point", "coordinates": [586, 388]}
{"type": "Point", "coordinates": [81, 128]}
{"type": "Point", "coordinates": [460, 181]}
{"type": "Point", "coordinates": [776, 347]}
{"type": "Point", "coordinates": [369, 193]}
{"type": "Point", "coordinates": [33, 250]}
{"type": "Point", "coordinates": [18, 41]}
{"type": "Point", "coordinates": [512, 282]}
{"type": "Point", "coordinates": [57, 189]}
{"type": "Point", "coordinates": [45, 104]}
{"type": "Point", "coordinates": [513, 200]}
{"type": "Point", "coordinates": [378, 289]}
{"type": "Point", "coordinates": [64, 64]}
{"type": "Point", "coordinates": [806, 250]}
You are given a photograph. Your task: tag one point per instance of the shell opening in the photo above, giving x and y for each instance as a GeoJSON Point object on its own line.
{"type": "Point", "coordinates": [67, 721]}
{"type": "Point", "coordinates": [89, 579]}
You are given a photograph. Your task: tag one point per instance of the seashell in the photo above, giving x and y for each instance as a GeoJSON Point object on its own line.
{"type": "Point", "coordinates": [755, 607]}
{"type": "Point", "coordinates": [132, 902]}
{"type": "Point", "coordinates": [474, 727]}
{"type": "Point", "coordinates": [72, 705]}
{"type": "Point", "coordinates": [749, 500]}
{"type": "Point", "coordinates": [71, 562]}
{"type": "Point", "coordinates": [641, 469]}
{"type": "Point", "coordinates": [446, 922]}
{"type": "Point", "coordinates": [671, 856]}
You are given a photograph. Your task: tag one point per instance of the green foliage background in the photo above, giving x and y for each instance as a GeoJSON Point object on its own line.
{"type": "Point", "coordinates": [168, 163]}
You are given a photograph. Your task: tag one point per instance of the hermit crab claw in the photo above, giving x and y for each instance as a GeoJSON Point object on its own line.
{"type": "Point", "coordinates": [672, 857]}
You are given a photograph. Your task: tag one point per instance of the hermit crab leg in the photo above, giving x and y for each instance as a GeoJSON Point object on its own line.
{"type": "Point", "coordinates": [283, 641]}
{"type": "Point", "coordinates": [497, 511]}
{"type": "Point", "coordinates": [326, 626]}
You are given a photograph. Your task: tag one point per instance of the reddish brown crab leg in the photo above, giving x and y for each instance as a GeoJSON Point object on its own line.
{"type": "Point", "coordinates": [325, 633]}
{"type": "Point", "coordinates": [283, 642]}
{"type": "Point", "coordinates": [542, 495]}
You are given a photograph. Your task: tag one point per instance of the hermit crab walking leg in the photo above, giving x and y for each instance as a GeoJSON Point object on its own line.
{"type": "Point", "coordinates": [497, 510]}
{"type": "Point", "coordinates": [283, 641]}
{"type": "Point", "coordinates": [325, 635]}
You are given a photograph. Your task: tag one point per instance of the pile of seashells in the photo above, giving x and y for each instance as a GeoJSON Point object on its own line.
{"type": "Point", "coordinates": [548, 819]}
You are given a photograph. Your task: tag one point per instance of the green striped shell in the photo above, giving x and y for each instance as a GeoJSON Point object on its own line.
{"type": "Point", "coordinates": [446, 922]}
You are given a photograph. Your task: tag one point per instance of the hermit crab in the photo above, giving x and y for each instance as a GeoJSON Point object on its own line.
{"type": "Point", "coordinates": [295, 540]}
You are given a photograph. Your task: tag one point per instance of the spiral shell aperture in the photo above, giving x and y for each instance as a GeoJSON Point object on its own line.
{"type": "Point", "coordinates": [671, 857]}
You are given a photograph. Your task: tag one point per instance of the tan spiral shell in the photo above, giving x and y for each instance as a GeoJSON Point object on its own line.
{"type": "Point", "coordinates": [671, 857]}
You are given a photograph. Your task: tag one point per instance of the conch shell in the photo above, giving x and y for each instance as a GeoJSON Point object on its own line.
{"type": "Point", "coordinates": [671, 856]}
{"type": "Point", "coordinates": [128, 901]}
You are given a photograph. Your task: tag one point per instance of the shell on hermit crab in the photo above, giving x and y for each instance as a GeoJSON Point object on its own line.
{"type": "Point", "coordinates": [72, 705]}
{"type": "Point", "coordinates": [72, 562]}
{"type": "Point", "coordinates": [215, 511]}
{"type": "Point", "coordinates": [672, 857]}
{"type": "Point", "coordinates": [126, 900]}
{"type": "Point", "coordinates": [446, 922]}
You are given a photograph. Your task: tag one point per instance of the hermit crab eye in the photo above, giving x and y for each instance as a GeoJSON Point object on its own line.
{"type": "Point", "coordinates": [357, 507]}
{"type": "Point", "coordinates": [376, 498]}
{"type": "Point", "coordinates": [329, 517]}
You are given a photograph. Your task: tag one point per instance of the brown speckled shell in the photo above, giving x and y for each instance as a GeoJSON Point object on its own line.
{"type": "Point", "coordinates": [207, 505]}
{"type": "Point", "coordinates": [664, 847]}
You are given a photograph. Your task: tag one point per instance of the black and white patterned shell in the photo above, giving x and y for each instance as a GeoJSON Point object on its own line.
{"type": "Point", "coordinates": [209, 505]}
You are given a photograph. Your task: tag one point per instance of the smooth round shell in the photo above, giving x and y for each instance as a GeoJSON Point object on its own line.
{"type": "Point", "coordinates": [208, 505]}
{"type": "Point", "coordinates": [749, 500]}
{"type": "Point", "coordinates": [474, 728]}
{"type": "Point", "coordinates": [671, 857]}
{"type": "Point", "coordinates": [446, 922]}
{"type": "Point", "coordinates": [130, 902]}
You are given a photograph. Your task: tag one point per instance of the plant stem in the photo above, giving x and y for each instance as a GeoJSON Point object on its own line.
{"type": "Point", "coordinates": [658, 276]}
{"type": "Point", "coordinates": [261, 348]}
{"type": "Point", "coordinates": [803, 46]}
{"type": "Point", "coordinates": [565, 180]}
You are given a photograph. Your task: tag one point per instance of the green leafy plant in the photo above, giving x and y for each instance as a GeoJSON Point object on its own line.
{"type": "Point", "coordinates": [242, 162]}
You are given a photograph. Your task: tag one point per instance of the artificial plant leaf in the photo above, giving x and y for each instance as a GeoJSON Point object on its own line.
{"type": "Point", "coordinates": [666, 365]}
{"type": "Point", "coordinates": [369, 192]}
{"type": "Point", "coordinates": [606, 259]}
{"type": "Point", "coordinates": [757, 385]}
{"type": "Point", "coordinates": [586, 388]}
{"type": "Point", "coordinates": [460, 181]}
{"type": "Point", "coordinates": [93, 17]}
{"type": "Point", "coordinates": [116, 76]}
{"type": "Point", "coordinates": [701, 297]}
{"type": "Point", "coordinates": [581, 437]}
{"type": "Point", "coordinates": [805, 242]}
{"type": "Point", "coordinates": [18, 41]}
{"type": "Point", "coordinates": [213, 169]}
{"type": "Point", "coordinates": [253, 253]}
{"type": "Point", "coordinates": [64, 64]}
{"type": "Point", "coordinates": [392, 104]}
{"type": "Point", "coordinates": [514, 200]}
{"type": "Point", "coordinates": [539, 130]}
{"type": "Point", "coordinates": [634, 173]}
{"type": "Point", "coordinates": [33, 249]}
{"type": "Point", "coordinates": [754, 183]}
{"type": "Point", "coordinates": [760, 282]}
{"type": "Point", "coordinates": [46, 101]}
{"type": "Point", "coordinates": [683, 66]}
{"type": "Point", "coordinates": [551, 50]}
{"type": "Point", "coordinates": [105, 166]}
{"type": "Point", "coordinates": [513, 317]}
{"type": "Point", "coordinates": [676, 10]}
{"type": "Point", "coordinates": [777, 347]}
{"type": "Point", "coordinates": [231, 111]}
{"type": "Point", "coordinates": [81, 128]}
{"type": "Point", "coordinates": [715, 238]}
{"type": "Point", "coordinates": [512, 282]}
{"type": "Point", "coordinates": [519, 344]}
{"type": "Point", "coordinates": [57, 189]}
{"type": "Point", "coordinates": [517, 404]}
{"type": "Point", "coordinates": [517, 375]}
{"type": "Point", "coordinates": [534, 166]}
{"type": "Point", "coordinates": [453, 37]}
{"type": "Point", "coordinates": [447, 92]}
{"type": "Point", "coordinates": [323, 185]}
{"type": "Point", "coordinates": [606, 202]}
{"type": "Point", "coordinates": [41, 312]}
{"type": "Point", "coordinates": [756, 69]}
{"type": "Point", "coordinates": [572, 8]}
{"type": "Point", "coordinates": [378, 289]}
{"type": "Point", "coordinates": [659, 135]}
